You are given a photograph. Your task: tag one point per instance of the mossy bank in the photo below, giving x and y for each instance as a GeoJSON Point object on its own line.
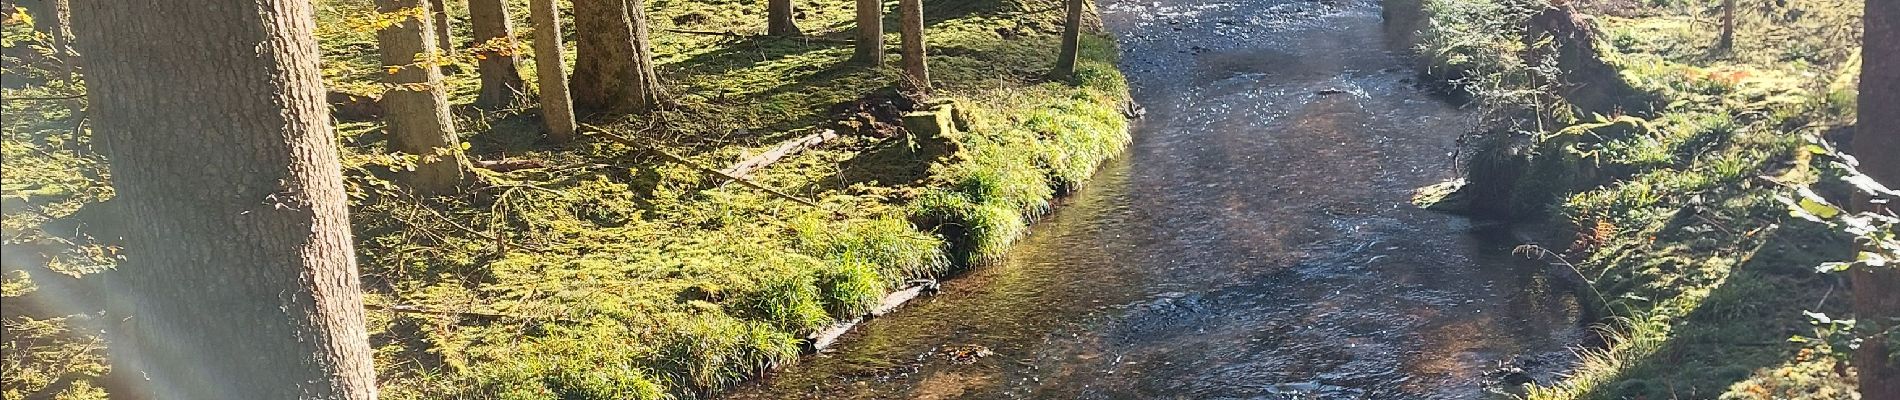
{"type": "Point", "coordinates": [612, 273]}
{"type": "Point", "coordinates": [1663, 198]}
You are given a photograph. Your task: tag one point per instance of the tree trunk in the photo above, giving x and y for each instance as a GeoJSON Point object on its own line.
{"type": "Point", "coordinates": [613, 58]}
{"type": "Point", "coordinates": [911, 26]}
{"type": "Point", "coordinates": [1876, 139]}
{"type": "Point", "coordinates": [869, 47]}
{"type": "Point", "coordinates": [239, 280]}
{"type": "Point", "coordinates": [496, 56]}
{"type": "Point", "coordinates": [444, 41]}
{"type": "Point", "coordinates": [778, 18]}
{"type": "Point", "coordinates": [1071, 41]}
{"type": "Point", "coordinates": [61, 31]}
{"type": "Point", "coordinates": [557, 111]}
{"type": "Point", "coordinates": [1727, 40]}
{"type": "Point", "coordinates": [416, 107]}
{"type": "Point", "coordinates": [646, 89]}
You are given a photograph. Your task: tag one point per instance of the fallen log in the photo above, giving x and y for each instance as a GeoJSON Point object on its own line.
{"type": "Point", "coordinates": [746, 168]}
{"type": "Point", "coordinates": [736, 35]}
{"type": "Point", "coordinates": [824, 338]}
{"type": "Point", "coordinates": [510, 165]}
{"type": "Point", "coordinates": [593, 130]}
{"type": "Point", "coordinates": [483, 316]}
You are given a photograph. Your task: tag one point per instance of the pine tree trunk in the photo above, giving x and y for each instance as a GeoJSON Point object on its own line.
{"type": "Point", "coordinates": [910, 19]}
{"type": "Point", "coordinates": [496, 58]}
{"type": "Point", "coordinates": [444, 41]}
{"type": "Point", "coordinates": [869, 47]}
{"type": "Point", "coordinates": [416, 107]}
{"type": "Point", "coordinates": [1071, 41]}
{"type": "Point", "coordinates": [1727, 40]}
{"type": "Point", "coordinates": [61, 32]}
{"type": "Point", "coordinates": [557, 111]}
{"type": "Point", "coordinates": [613, 60]}
{"type": "Point", "coordinates": [647, 93]}
{"type": "Point", "coordinates": [1876, 140]}
{"type": "Point", "coordinates": [239, 280]}
{"type": "Point", "coordinates": [778, 18]}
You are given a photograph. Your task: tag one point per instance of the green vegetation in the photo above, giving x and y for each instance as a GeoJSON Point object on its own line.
{"type": "Point", "coordinates": [1671, 204]}
{"type": "Point", "coordinates": [611, 273]}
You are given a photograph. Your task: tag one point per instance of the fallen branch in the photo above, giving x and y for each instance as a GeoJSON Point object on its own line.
{"type": "Point", "coordinates": [790, 147]}
{"type": "Point", "coordinates": [737, 35]}
{"type": "Point", "coordinates": [824, 338]}
{"type": "Point", "coordinates": [510, 165]}
{"type": "Point", "coordinates": [711, 33]}
{"type": "Point", "coordinates": [820, 39]}
{"type": "Point", "coordinates": [52, 390]}
{"type": "Point", "coordinates": [408, 309]}
{"type": "Point", "coordinates": [597, 131]}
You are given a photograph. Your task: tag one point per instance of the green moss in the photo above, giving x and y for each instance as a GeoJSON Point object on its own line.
{"type": "Point", "coordinates": [851, 288]}
{"type": "Point", "coordinates": [618, 275]}
{"type": "Point", "coordinates": [1701, 275]}
{"type": "Point", "coordinates": [569, 375]}
{"type": "Point", "coordinates": [711, 353]}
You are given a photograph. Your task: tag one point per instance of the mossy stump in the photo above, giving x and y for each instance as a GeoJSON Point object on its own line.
{"type": "Point", "coordinates": [932, 131]}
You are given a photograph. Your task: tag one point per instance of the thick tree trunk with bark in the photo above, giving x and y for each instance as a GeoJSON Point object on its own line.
{"type": "Point", "coordinates": [557, 109]}
{"type": "Point", "coordinates": [869, 47]}
{"type": "Point", "coordinates": [439, 11]}
{"type": "Point", "coordinates": [1071, 40]}
{"type": "Point", "coordinates": [613, 58]}
{"type": "Point", "coordinates": [416, 107]}
{"type": "Point", "coordinates": [496, 58]}
{"type": "Point", "coordinates": [239, 280]}
{"type": "Point", "coordinates": [778, 18]}
{"type": "Point", "coordinates": [1876, 140]}
{"type": "Point", "coordinates": [910, 18]}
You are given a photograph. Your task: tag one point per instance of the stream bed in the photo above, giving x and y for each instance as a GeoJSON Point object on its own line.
{"type": "Point", "coordinates": [1255, 242]}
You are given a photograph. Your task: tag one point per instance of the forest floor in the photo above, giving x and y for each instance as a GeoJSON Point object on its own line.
{"type": "Point", "coordinates": [611, 273]}
{"type": "Point", "coordinates": [1672, 216]}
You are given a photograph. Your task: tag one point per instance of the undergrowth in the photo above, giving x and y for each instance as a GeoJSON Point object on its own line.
{"type": "Point", "coordinates": [612, 274]}
{"type": "Point", "coordinates": [1670, 211]}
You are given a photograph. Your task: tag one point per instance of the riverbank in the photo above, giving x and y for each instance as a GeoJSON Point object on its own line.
{"type": "Point", "coordinates": [609, 273]}
{"type": "Point", "coordinates": [1254, 242]}
{"type": "Point", "coordinates": [1663, 199]}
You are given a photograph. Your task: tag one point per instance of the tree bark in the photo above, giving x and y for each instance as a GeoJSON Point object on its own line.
{"type": "Point", "coordinates": [416, 107]}
{"type": "Point", "coordinates": [1727, 40]}
{"type": "Point", "coordinates": [911, 21]}
{"type": "Point", "coordinates": [239, 280]}
{"type": "Point", "coordinates": [613, 58]}
{"type": "Point", "coordinates": [496, 56]}
{"type": "Point", "coordinates": [62, 33]}
{"type": "Point", "coordinates": [778, 18]}
{"type": "Point", "coordinates": [557, 109]}
{"type": "Point", "coordinates": [1071, 41]}
{"type": "Point", "coordinates": [444, 41]}
{"type": "Point", "coordinates": [1876, 140]}
{"type": "Point", "coordinates": [647, 93]}
{"type": "Point", "coordinates": [869, 48]}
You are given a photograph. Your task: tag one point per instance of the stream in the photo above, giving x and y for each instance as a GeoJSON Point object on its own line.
{"type": "Point", "coordinates": [1255, 242]}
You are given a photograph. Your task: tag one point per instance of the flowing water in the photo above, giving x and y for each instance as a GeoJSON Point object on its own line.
{"type": "Point", "coordinates": [1255, 242]}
